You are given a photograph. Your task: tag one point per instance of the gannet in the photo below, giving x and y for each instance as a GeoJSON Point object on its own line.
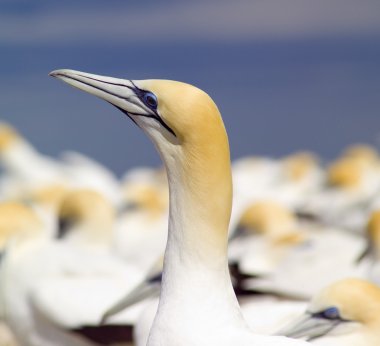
{"type": "Point", "coordinates": [12, 221]}
{"type": "Point", "coordinates": [344, 313]}
{"type": "Point", "coordinates": [86, 220]}
{"type": "Point", "coordinates": [23, 166]}
{"type": "Point", "coordinates": [197, 303]}
{"type": "Point", "coordinates": [267, 232]}
{"type": "Point", "coordinates": [325, 261]}
{"type": "Point", "coordinates": [288, 180]}
{"type": "Point", "coordinates": [27, 169]}
{"type": "Point", "coordinates": [54, 287]}
{"type": "Point", "coordinates": [352, 186]}
{"type": "Point", "coordinates": [361, 151]}
{"type": "Point", "coordinates": [48, 197]}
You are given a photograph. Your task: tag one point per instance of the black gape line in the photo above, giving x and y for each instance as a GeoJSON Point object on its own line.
{"type": "Point", "coordinates": [64, 226]}
{"type": "Point", "coordinates": [325, 332]}
{"type": "Point", "coordinates": [156, 117]}
{"type": "Point", "coordinates": [139, 93]}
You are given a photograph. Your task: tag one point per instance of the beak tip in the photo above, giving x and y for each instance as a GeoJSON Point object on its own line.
{"type": "Point", "coordinates": [54, 73]}
{"type": "Point", "coordinates": [58, 73]}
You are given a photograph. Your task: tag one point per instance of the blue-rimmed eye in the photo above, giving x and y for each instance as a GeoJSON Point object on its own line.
{"type": "Point", "coordinates": [150, 100]}
{"type": "Point", "coordinates": [329, 314]}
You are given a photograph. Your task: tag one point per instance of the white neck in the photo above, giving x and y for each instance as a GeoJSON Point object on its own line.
{"type": "Point", "coordinates": [196, 280]}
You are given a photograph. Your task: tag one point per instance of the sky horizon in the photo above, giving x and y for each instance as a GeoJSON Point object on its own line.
{"type": "Point", "coordinates": [299, 77]}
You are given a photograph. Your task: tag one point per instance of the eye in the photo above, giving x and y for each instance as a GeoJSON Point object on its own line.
{"type": "Point", "coordinates": [329, 314]}
{"type": "Point", "coordinates": [150, 100]}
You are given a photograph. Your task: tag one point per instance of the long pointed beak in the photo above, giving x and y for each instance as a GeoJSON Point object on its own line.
{"type": "Point", "coordinates": [308, 327]}
{"type": "Point", "coordinates": [119, 92]}
{"type": "Point", "coordinates": [368, 253]}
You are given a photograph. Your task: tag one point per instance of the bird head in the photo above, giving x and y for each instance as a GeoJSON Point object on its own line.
{"type": "Point", "coordinates": [184, 124]}
{"type": "Point", "coordinates": [18, 221]}
{"type": "Point", "coordinates": [338, 309]}
{"type": "Point", "coordinates": [8, 137]}
{"type": "Point", "coordinates": [86, 215]}
{"type": "Point", "coordinates": [170, 112]}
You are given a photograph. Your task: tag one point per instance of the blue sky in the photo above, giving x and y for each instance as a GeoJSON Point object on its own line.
{"type": "Point", "coordinates": [286, 75]}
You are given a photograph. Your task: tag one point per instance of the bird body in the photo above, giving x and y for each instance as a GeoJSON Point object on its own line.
{"type": "Point", "coordinates": [51, 288]}
{"type": "Point", "coordinates": [197, 303]}
{"type": "Point", "coordinates": [325, 264]}
{"type": "Point", "coordinates": [26, 169]}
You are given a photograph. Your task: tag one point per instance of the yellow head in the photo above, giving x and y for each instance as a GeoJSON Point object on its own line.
{"type": "Point", "coordinates": [355, 299]}
{"type": "Point", "coordinates": [49, 196]}
{"type": "Point", "coordinates": [87, 212]}
{"type": "Point", "coordinates": [18, 220]}
{"type": "Point", "coordinates": [347, 173]}
{"type": "Point", "coordinates": [186, 127]}
{"type": "Point", "coordinates": [362, 152]}
{"type": "Point", "coordinates": [273, 220]}
{"type": "Point", "coordinates": [8, 137]}
{"type": "Point", "coordinates": [299, 165]}
{"type": "Point", "coordinates": [147, 197]}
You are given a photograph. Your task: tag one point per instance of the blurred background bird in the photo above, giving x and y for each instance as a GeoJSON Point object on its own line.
{"type": "Point", "coordinates": [84, 200]}
{"type": "Point", "coordinates": [59, 237]}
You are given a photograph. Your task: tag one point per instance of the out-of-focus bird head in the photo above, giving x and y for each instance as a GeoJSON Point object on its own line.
{"type": "Point", "coordinates": [48, 196]}
{"type": "Point", "coordinates": [273, 220]}
{"type": "Point", "coordinates": [348, 173]}
{"type": "Point", "coordinates": [18, 221]}
{"type": "Point", "coordinates": [340, 308]}
{"type": "Point", "coordinates": [357, 168]}
{"type": "Point", "coordinates": [362, 152]}
{"type": "Point", "coordinates": [187, 129]}
{"type": "Point", "coordinates": [149, 198]}
{"type": "Point", "coordinates": [8, 137]}
{"type": "Point", "coordinates": [300, 165]}
{"type": "Point", "coordinates": [85, 216]}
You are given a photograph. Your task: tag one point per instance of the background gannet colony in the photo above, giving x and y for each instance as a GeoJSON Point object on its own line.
{"type": "Point", "coordinates": [82, 249]}
{"type": "Point", "coordinates": [255, 222]}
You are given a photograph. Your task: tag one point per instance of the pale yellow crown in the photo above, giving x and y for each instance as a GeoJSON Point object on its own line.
{"type": "Point", "coordinates": [347, 172]}
{"type": "Point", "coordinates": [8, 136]}
{"type": "Point", "coordinates": [49, 196]}
{"type": "Point", "coordinates": [86, 206]}
{"type": "Point", "coordinates": [363, 152]}
{"type": "Point", "coordinates": [357, 300]}
{"type": "Point", "coordinates": [299, 165]}
{"type": "Point", "coordinates": [149, 197]}
{"type": "Point", "coordinates": [176, 99]}
{"type": "Point", "coordinates": [272, 219]}
{"type": "Point", "coordinates": [17, 219]}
